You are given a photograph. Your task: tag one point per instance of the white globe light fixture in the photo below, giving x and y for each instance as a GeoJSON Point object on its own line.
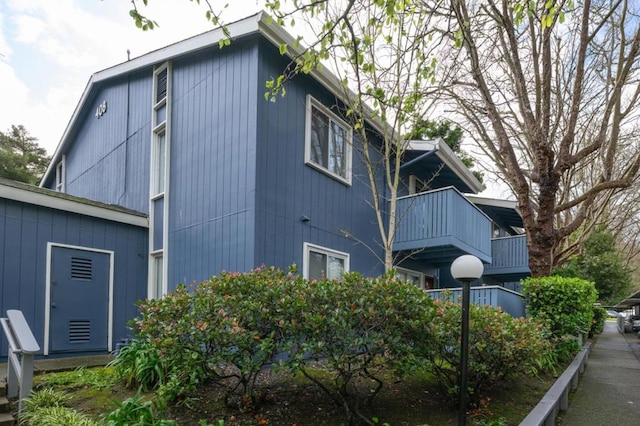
{"type": "Point", "coordinates": [465, 269]}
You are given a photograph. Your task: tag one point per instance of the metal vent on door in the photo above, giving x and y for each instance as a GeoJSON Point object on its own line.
{"type": "Point", "coordinates": [81, 269]}
{"type": "Point", "coordinates": [79, 331]}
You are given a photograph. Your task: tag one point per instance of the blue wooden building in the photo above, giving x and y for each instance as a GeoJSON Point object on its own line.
{"type": "Point", "coordinates": [73, 266]}
{"type": "Point", "coordinates": [213, 177]}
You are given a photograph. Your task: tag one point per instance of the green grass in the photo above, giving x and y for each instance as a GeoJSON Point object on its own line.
{"type": "Point", "coordinates": [100, 378]}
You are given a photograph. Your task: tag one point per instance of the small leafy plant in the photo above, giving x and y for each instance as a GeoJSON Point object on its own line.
{"type": "Point", "coordinates": [135, 411]}
{"type": "Point", "coordinates": [49, 407]}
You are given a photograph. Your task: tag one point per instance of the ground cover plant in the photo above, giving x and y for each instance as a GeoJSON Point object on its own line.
{"type": "Point", "coordinates": [294, 400]}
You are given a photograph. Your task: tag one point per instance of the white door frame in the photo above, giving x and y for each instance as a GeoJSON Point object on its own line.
{"type": "Point", "coordinates": [47, 293]}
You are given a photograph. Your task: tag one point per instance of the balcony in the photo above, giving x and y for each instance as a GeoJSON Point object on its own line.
{"type": "Point", "coordinates": [511, 302]}
{"type": "Point", "coordinates": [441, 225]}
{"type": "Point", "coordinates": [509, 259]}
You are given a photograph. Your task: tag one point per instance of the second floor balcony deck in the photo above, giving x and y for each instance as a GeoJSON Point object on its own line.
{"type": "Point", "coordinates": [509, 258]}
{"type": "Point", "coordinates": [441, 225]}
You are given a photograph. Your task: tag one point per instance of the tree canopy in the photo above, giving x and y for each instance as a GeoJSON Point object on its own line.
{"type": "Point", "coordinates": [602, 263]}
{"type": "Point", "coordinates": [21, 157]}
{"type": "Point", "coordinates": [450, 133]}
{"type": "Point", "coordinates": [548, 89]}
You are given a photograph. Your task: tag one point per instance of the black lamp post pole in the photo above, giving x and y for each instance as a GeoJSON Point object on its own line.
{"type": "Point", "coordinates": [464, 353]}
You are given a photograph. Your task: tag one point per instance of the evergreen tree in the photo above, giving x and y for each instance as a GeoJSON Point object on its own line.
{"type": "Point", "coordinates": [602, 263]}
{"type": "Point", "coordinates": [450, 134]}
{"type": "Point", "coordinates": [21, 157]}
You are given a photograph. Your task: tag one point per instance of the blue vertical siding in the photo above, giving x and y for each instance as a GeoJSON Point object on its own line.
{"type": "Point", "coordinates": [25, 230]}
{"type": "Point", "coordinates": [212, 170]}
{"type": "Point", "coordinates": [287, 189]}
{"type": "Point", "coordinates": [108, 160]}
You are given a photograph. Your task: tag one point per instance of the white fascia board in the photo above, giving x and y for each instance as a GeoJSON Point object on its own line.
{"type": "Point", "coordinates": [449, 158]}
{"type": "Point", "coordinates": [44, 200]}
{"type": "Point", "coordinates": [493, 202]}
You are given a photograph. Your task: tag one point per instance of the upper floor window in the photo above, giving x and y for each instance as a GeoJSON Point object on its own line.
{"type": "Point", "coordinates": [61, 175]}
{"type": "Point", "coordinates": [321, 262]}
{"type": "Point", "coordinates": [328, 142]}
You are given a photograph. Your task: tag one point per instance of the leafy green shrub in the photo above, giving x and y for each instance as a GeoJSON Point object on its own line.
{"type": "Point", "coordinates": [564, 306]}
{"type": "Point", "coordinates": [599, 317]}
{"type": "Point", "coordinates": [226, 329]}
{"type": "Point", "coordinates": [500, 346]}
{"type": "Point", "coordinates": [241, 321]}
{"type": "Point", "coordinates": [358, 326]}
{"type": "Point", "coordinates": [135, 411]}
{"type": "Point", "coordinates": [48, 407]}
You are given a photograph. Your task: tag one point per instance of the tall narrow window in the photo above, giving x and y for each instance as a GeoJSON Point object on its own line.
{"type": "Point", "coordinates": [328, 142]}
{"type": "Point", "coordinates": [320, 262]}
{"type": "Point", "coordinates": [159, 163]}
{"type": "Point", "coordinates": [158, 277]}
{"type": "Point", "coordinates": [61, 175]}
{"type": "Point", "coordinates": [158, 190]}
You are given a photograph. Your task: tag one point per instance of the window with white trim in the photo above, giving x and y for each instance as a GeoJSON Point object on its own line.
{"type": "Point", "coordinates": [327, 142]}
{"type": "Point", "coordinates": [413, 277]}
{"type": "Point", "coordinates": [159, 162]}
{"type": "Point", "coordinates": [61, 171]}
{"type": "Point", "coordinates": [158, 191]}
{"type": "Point", "coordinates": [157, 273]}
{"type": "Point", "coordinates": [321, 262]}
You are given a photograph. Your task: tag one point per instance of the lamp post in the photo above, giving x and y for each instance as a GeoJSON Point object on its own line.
{"type": "Point", "coordinates": [465, 269]}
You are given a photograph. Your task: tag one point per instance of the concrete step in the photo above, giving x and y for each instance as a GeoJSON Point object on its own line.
{"type": "Point", "coordinates": [6, 419]}
{"type": "Point", "coordinates": [4, 404]}
{"type": "Point", "coordinates": [3, 388]}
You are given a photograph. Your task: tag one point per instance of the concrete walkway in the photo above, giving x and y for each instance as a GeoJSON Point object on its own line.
{"type": "Point", "coordinates": [609, 391]}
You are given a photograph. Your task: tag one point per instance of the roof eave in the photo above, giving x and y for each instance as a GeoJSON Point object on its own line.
{"type": "Point", "coordinates": [451, 160]}
{"type": "Point", "coordinates": [70, 204]}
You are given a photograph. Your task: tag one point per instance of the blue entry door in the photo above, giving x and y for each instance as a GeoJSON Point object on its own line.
{"type": "Point", "coordinates": [79, 300]}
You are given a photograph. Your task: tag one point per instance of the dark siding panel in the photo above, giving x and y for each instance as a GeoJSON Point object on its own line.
{"type": "Point", "coordinates": [212, 176]}
{"type": "Point", "coordinates": [109, 158]}
{"type": "Point", "coordinates": [26, 229]}
{"type": "Point", "coordinates": [288, 189]}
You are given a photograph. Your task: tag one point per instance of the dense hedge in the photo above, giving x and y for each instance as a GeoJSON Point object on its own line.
{"type": "Point", "coordinates": [564, 306]}
{"type": "Point", "coordinates": [228, 328]}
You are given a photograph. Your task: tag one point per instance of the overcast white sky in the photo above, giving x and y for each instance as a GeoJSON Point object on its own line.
{"type": "Point", "coordinates": [50, 48]}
